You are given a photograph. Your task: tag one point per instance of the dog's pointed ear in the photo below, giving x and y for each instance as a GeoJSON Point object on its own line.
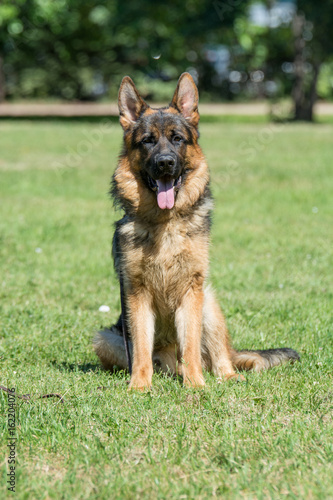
{"type": "Point", "coordinates": [186, 98]}
{"type": "Point", "coordinates": [130, 103]}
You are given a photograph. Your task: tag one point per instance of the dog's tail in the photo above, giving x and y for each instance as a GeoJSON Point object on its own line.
{"type": "Point", "coordinates": [262, 360]}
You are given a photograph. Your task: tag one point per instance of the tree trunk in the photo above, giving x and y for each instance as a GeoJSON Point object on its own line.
{"type": "Point", "coordinates": [313, 91]}
{"type": "Point", "coordinates": [2, 81]}
{"type": "Point", "coordinates": [303, 95]}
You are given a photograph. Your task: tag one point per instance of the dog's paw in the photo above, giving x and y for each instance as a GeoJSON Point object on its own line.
{"type": "Point", "coordinates": [231, 376]}
{"type": "Point", "coordinates": [194, 380]}
{"type": "Point", "coordinates": [139, 387]}
{"type": "Point", "coordinates": [141, 381]}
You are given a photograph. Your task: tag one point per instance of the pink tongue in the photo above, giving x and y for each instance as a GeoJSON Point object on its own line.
{"type": "Point", "coordinates": [165, 194]}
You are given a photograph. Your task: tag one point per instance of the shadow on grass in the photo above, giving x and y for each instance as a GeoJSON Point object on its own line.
{"type": "Point", "coordinates": [64, 366]}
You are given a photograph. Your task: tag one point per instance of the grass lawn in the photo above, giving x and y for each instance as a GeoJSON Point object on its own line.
{"type": "Point", "coordinates": [271, 264]}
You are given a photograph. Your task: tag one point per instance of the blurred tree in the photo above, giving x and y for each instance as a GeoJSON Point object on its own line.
{"type": "Point", "coordinates": [313, 45]}
{"type": "Point", "coordinates": [289, 54]}
{"type": "Point", "coordinates": [9, 21]}
{"type": "Point", "coordinates": [258, 57]}
{"type": "Point", "coordinates": [76, 49]}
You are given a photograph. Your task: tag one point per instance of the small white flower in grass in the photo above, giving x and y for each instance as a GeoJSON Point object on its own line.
{"type": "Point", "coordinates": [104, 309]}
{"type": "Point", "coordinates": [281, 285]}
{"type": "Point", "coordinates": [14, 373]}
{"type": "Point", "coordinates": [38, 250]}
{"type": "Point", "coordinates": [314, 210]}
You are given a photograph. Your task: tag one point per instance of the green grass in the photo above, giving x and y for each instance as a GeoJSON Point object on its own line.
{"type": "Point", "coordinates": [271, 265]}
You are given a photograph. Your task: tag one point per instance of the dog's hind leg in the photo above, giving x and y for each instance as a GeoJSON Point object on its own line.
{"type": "Point", "coordinates": [167, 360]}
{"type": "Point", "coordinates": [109, 347]}
{"type": "Point", "coordinates": [215, 345]}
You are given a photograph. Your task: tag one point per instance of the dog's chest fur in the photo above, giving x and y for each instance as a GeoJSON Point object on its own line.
{"type": "Point", "coordinates": [163, 258]}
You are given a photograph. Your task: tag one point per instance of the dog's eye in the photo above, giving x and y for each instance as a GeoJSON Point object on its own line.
{"type": "Point", "coordinates": [177, 138]}
{"type": "Point", "coordinates": [148, 140]}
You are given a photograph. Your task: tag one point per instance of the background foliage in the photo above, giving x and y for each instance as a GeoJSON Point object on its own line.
{"type": "Point", "coordinates": [71, 49]}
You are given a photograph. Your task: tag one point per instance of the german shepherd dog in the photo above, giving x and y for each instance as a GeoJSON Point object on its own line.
{"type": "Point", "coordinates": [160, 249]}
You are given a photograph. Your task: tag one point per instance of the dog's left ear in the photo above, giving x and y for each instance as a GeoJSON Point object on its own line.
{"type": "Point", "coordinates": [130, 103]}
{"type": "Point", "coordinates": [186, 98]}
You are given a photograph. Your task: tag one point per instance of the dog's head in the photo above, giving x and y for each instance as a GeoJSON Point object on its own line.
{"type": "Point", "coordinates": [158, 142]}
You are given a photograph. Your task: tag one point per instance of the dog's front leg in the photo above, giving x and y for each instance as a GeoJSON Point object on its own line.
{"type": "Point", "coordinates": [188, 324]}
{"type": "Point", "coordinates": [142, 325]}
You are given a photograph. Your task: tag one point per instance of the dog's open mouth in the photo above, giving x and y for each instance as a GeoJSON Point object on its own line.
{"type": "Point", "coordinates": [165, 188]}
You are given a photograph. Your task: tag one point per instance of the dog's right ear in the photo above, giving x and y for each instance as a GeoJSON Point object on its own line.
{"type": "Point", "coordinates": [185, 99]}
{"type": "Point", "coordinates": [130, 103]}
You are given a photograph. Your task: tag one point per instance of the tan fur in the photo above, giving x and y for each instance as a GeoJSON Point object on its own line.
{"type": "Point", "coordinates": [175, 321]}
{"type": "Point", "coordinates": [214, 348]}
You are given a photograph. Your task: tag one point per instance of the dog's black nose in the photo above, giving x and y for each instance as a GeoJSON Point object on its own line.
{"type": "Point", "coordinates": [166, 161]}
